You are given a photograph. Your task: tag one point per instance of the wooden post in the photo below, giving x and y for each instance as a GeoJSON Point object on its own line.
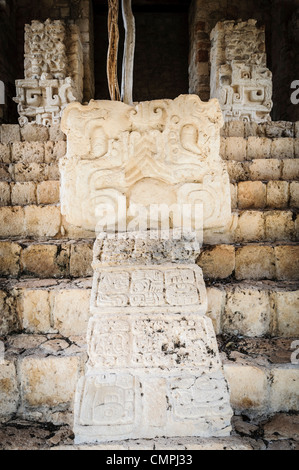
{"type": "Point", "coordinates": [113, 33]}
{"type": "Point", "coordinates": [129, 49]}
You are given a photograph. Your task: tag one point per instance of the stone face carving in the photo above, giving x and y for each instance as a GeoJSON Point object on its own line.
{"type": "Point", "coordinates": [158, 152]}
{"type": "Point", "coordinates": [53, 77]}
{"type": "Point", "coordinates": [240, 78]}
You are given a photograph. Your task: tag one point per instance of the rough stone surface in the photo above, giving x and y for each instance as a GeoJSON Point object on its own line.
{"type": "Point", "coordinates": [284, 394]}
{"type": "Point", "coordinates": [9, 394]}
{"type": "Point", "coordinates": [48, 192]}
{"type": "Point", "coordinates": [251, 195]}
{"type": "Point", "coordinates": [23, 194]}
{"type": "Point", "coordinates": [277, 194]}
{"type": "Point", "coordinates": [287, 308]}
{"type": "Point", "coordinates": [247, 313]}
{"type": "Point", "coordinates": [218, 263]}
{"type": "Point", "coordinates": [287, 262]}
{"type": "Point", "coordinates": [255, 262]}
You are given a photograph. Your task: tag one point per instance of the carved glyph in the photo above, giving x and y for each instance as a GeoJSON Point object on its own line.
{"type": "Point", "coordinates": [53, 66]}
{"type": "Point", "coordinates": [163, 152]}
{"type": "Point", "coordinates": [240, 78]}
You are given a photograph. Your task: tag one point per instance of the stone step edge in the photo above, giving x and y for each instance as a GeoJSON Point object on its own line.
{"type": "Point", "coordinates": [167, 444]}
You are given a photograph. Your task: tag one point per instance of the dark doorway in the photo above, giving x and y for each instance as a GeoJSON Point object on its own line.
{"type": "Point", "coordinates": [162, 49]}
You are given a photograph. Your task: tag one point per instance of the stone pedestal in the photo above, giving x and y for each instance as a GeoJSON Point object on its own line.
{"type": "Point", "coordinates": [149, 179]}
{"type": "Point", "coordinates": [153, 368]}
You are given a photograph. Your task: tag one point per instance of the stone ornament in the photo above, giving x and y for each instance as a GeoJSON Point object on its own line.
{"type": "Point", "coordinates": [240, 78]}
{"type": "Point", "coordinates": [157, 152]}
{"type": "Point", "coordinates": [53, 78]}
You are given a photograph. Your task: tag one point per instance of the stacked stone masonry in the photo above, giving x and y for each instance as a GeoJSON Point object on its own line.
{"type": "Point", "coordinates": [254, 263]}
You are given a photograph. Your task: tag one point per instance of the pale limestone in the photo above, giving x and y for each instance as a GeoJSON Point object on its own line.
{"type": "Point", "coordinates": [9, 258]}
{"type": "Point", "coordinates": [216, 302]}
{"type": "Point", "coordinates": [81, 259]}
{"type": "Point", "coordinates": [70, 311]}
{"type": "Point", "coordinates": [296, 148]}
{"type": "Point", "coordinates": [34, 133]}
{"type": "Point", "coordinates": [287, 308]}
{"type": "Point", "coordinates": [218, 263]}
{"type": "Point", "coordinates": [266, 170]}
{"type": "Point", "coordinates": [234, 195]}
{"type": "Point", "coordinates": [284, 394]}
{"type": "Point", "coordinates": [236, 171]}
{"type": "Point", "coordinates": [258, 147]}
{"type": "Point", "coordinates": [56, 134]}
{"type": "Point", "coordinates": [47, 381]}
{"type": "Point", "coordinates": [34, 311]}
{"type": "Point", "coordinates": [251, 195]}
{"type": "Point", "coordinates": [287, 262]}
{"type": "Point", "coordinates": [28, 152]}
{"type": "Point", "coordinates": [248, 386]}
{"type": "Point", "coordinates": [9, 393]}
{"type": "Point", "coordinates": [255, 262]}
{"type": "Point", "coordinates": [4, 193]}
{"type": "Point", "coordinates": [179, 174]}
{"type": "Point", "coordinates": [282, 148]}
{"type": "Point", "coordinates": [42, 221]}
{"type": "Point", "coordinates": [29, 172]}
{"type": "Point", "coordinates": [4, 153]}
{"type": "Point", "coordinates": [239, 77]}
{"type": "Point", "coordinates": [54, 151]}
{"type": "Point", "coordinates": [11, 221]}
{"type": "Point", "coordinates": [277, 129]}
{"type": "Point", "coordinates": [290, 170]}
{"type": "Point", "coordinates": [45, 261]}
{"type": "Point", "coordinates": [277, 194]}
{"type": "Point", "coordinates": [251, 227]}
{"type": "Point", "coordinates": [235, 149]}
{"type": "Point", "coordinates": [247, 313]}
{"type": "Point", "coordinates": [294, 194]}
{"type": "Point", "coordinates": [10, 133]}
{"type": "Point", "coordinates": [279, 226]}
{"type": "Point", "coordinates": [48, 192]}
{"type": "Point", "coordinates": [236, 129]}
{"type": "Point", "coordinates": [8, 321]}
{"type": "Point", "coordinates": [23, 194]}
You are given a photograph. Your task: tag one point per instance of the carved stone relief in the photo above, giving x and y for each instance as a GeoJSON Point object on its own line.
{"type": "Point", "coordinates": [53, 72]}
{"type": "Point", "coordinates": [158, 152]}
{"type": "Point", "coordinates": [240, 78]}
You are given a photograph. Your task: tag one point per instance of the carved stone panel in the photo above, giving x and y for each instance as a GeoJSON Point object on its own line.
{"type": "Point", "coordinates": [240, 78]}
{"type": "Point", "coordinates": [148, 289]}
{"type": "Point", "coordinates": [151, 340]}
{"type": "Point", "coordinates": [137, 404]}
{"type": "Point", "coordinates": [124, 161]}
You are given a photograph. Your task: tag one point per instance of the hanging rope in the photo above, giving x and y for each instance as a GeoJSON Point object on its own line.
{"type": "Point", "coordinates": [113, 35]}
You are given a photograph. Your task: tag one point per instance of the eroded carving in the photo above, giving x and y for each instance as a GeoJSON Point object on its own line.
{"type": "Point", "coordinates": [240, 78]}
{"type": "Point", "coordinates": [158, 152]}
{"type": "Point", "coordinates": [53, 72]}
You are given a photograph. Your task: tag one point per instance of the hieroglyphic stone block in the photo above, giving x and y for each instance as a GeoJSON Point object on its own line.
{"type": "Point", "coordinates": [148, 288]}
{"type": "Point", "coordinates": [53, 72]}
{"type": "Point", "coordinates": [240, 78]}
{"type": "Point", "coordinates": [135, 403]}
{"type": "Point", "coordinates": [163, 152]}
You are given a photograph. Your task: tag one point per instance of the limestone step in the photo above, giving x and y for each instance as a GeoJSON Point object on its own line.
{"type": "Point", "coordinates": [42, 222]}
{"type": "Point", "coordinates": [273, 195]}
{"type": "Point", "coordinates": [278, 432]}
{"type": "Point", "coordinates": [251, 309]}
{"type": "Point", "coordinates": [226, 262]}
{"type": "Point", "coordinates": [39, 373]}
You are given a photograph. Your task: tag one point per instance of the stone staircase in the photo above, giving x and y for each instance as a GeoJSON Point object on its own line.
{"type": "Point", "coordinates": [251, 272]}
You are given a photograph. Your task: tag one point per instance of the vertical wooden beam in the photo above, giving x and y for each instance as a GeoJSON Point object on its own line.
{"type": "Point", "coordinates": [113, 34]}
{"type": "Point", "coordinates": [129, 50]}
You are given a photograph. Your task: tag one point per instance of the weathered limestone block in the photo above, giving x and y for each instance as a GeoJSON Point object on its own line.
{"type": "Point", "coordinates": [158, 152]}
{"type": "Point", "coordinates": [9, 393]}
{"type": "Point", "coordinates": [150, 345]}
{"type": "Point", "coordinates": [53, 72]}
{"type": "Point", "coordinates": [240, 78]}
{"type": "Point", "coordinates": [284, 394]}
{"type": "Point", "coordinates": [23, 194]}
